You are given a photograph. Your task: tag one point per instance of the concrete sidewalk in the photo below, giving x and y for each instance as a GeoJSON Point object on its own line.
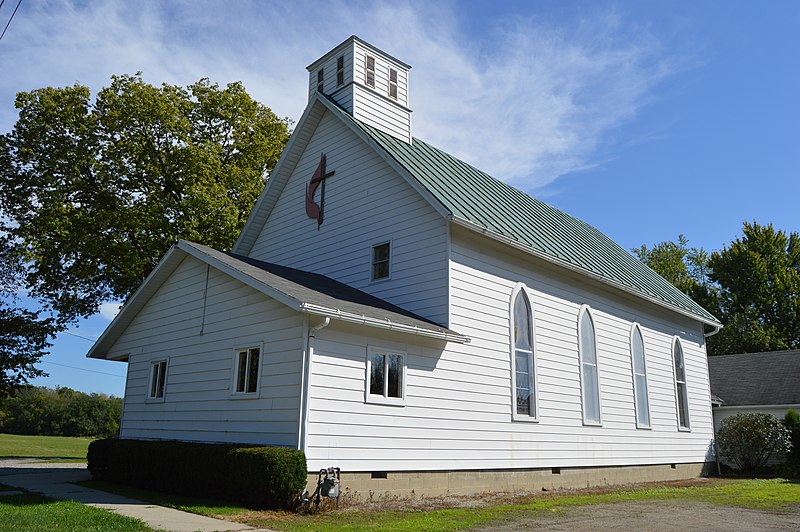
{"type": "Point", "coordinates": [55, 480]}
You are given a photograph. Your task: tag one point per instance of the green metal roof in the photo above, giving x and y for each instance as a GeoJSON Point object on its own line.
{"type": "Point", "coordinates": [473, 196]}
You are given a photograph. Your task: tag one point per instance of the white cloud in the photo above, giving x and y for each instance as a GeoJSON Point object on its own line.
{"type": "Point", "coordinates": [527, 101]}
{"type": "Point", "coordinates": [109, 310]}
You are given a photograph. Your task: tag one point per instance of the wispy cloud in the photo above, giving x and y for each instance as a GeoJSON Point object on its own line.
{"type": "Point", "coordinates": [109, 310]}
{"type": "Point", "coordinates": [528, 101]}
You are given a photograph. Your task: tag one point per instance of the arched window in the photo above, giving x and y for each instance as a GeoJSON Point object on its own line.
{"type": "Point", "coordinates": [639, 368]}
{"type": "Point", "coordinates": [590, 382]}
{"type": "Point", "coordinates": [681, 396]}
{"type": "Point", "coordinates": [523, 361]}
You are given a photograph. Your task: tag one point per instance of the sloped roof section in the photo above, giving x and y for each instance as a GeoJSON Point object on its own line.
{"type": "Point", "coordinates": [770, 378]}
{"type": "Point", "coordinates": [302, 291]}
{"type": "Point", "coordinates": [475, 198]}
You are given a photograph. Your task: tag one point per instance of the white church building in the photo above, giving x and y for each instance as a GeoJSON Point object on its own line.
{"type": "Point", "coordinates": [397, 313]}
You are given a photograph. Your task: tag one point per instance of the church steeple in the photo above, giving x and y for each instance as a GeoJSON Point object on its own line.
{"type": "Point", "coordinates": [368, 83]}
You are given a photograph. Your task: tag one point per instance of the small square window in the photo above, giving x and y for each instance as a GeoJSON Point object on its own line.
{"type": "Point", "coordinates": [380, 261]}
{"type": "Point", "coordinates": [385, 376]}
{"type": "Point", "coordinates": [340, 71]}
{"type": "Point", "coordinates": [370, 73]}
{"type": "Point", "coordinates": [393, 83]}
{"type": "Point", "coordinates": [320, 80]}
{"type": "Point", "coordinates": [247, 370]}
{"type": "Point", "coordinates": [158, 379]}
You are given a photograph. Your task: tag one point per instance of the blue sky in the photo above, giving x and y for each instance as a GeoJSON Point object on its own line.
{"type": "Point", "coordinates": [645, 119]}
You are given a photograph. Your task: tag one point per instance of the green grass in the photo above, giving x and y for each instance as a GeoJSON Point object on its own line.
{"type": "Point", "coordinates": [16, 446]}
{"type": "Point", "coordinates": [33, 512]}
{"type": "Point", "coordinates": [772, 494]}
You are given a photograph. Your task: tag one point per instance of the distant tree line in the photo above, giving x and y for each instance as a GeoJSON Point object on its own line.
{"type": "Point", "coordinates": [62, 411]}
{"type": "Point", "coordinates": [752, 286]}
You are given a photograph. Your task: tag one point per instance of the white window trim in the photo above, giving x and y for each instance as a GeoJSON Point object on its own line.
{"type": "Point", "coordinates": [371, 264]}
{"type": "Point", "coordinates": [153, 365]}
{"type": "Point", "coordinates": [676, 341]}
{"type": "Point", "coordinates": [515, 416]}
{"type": "Point", "coordinates": [587, 310]}
{"type": "Point", "coordinates": [382, 399]}
{"type": "Point", "coordinates": [634, 327]}
{"type": "Point", "coordinates": [234, 372]}
{"type": "Point", "coordinates": [367, 57]}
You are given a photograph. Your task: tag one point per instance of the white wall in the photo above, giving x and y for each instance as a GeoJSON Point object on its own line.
{"type": "Point", "coordinates": [198, 404]}
{"type": "Point", "coordinates": [366, 203]}
{"type": "Point", "coordinates": [457, 413]}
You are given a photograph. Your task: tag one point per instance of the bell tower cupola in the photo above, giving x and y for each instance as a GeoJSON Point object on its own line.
{"type": "Point", "coordinates": [369, 84]}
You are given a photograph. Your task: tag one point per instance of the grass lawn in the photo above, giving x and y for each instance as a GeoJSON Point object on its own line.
{"type": "Point", "coordinates": [773, 494]}
{"type": "Point", "coordinates": [15, 446]}
{"type": "Point", "coordinates": [33, 512]}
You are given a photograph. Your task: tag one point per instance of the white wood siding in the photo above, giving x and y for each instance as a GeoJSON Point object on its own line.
{"type": "Point", "coordinates": [198, 404]}
{"type": "Point", "coordinates": [382, 66]}
{"type": "Point", "coordinates": [457, 412]}
{"type": "Point", "coordinates": [329, 75]}
{"type": "Point", "coordinates": [366, 203]}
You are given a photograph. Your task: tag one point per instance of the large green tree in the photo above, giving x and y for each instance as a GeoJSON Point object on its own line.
{"type": "Point", "coordinates": [24, 335]}
{"type": "Point", "coordinates": [752, 286]}
{"type": "Point", "coordinates": [759, 280]}
{"type": "Point", "coordinates": [93, 193]}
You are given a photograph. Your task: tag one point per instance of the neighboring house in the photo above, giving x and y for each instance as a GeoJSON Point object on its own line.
{"type": "Point", "coordinates": [755, 382]}
{"type": "Point", "coordinates": [393, 311]}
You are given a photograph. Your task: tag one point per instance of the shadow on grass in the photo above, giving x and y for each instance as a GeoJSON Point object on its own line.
{"type": "Point", "coordinates": [196, 505]}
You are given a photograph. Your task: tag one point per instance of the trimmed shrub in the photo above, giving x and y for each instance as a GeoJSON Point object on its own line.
{"type": "Point", "coordinates": [750, 439]}
{"type": "Point", "coordinates": [268, 477]}
{"type": "Point", "coordinates": [792, 422]}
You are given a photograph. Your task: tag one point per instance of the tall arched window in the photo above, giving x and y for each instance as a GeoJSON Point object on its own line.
{"type": "Point", "coordinates": [523, 360]}
{"type": "Point", "coordinates": [590, 381]}
{"type": "Point", "coordinates": [681, 396]}
{"type": "Point", "coordinates": [639, 368]}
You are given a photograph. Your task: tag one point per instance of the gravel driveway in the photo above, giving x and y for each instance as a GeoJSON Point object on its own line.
{"type": "Point", "coordinates": [657, 516]}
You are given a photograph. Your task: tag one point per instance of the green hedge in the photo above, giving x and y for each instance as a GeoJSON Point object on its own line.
{"type": "Point", "coordinates": [255, 476]}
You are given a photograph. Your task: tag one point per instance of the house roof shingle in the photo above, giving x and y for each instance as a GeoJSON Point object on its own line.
{"type": "Point", "coordinates": [770, 378]}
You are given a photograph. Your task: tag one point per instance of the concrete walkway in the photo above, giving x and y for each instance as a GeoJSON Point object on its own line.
{"type": "Point", "coordinates": [55, 480]}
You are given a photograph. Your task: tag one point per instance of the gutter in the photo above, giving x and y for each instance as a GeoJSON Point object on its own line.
{"type": "Point", "coordinates": [717, 328]}
{"type": "Point", "coordinates": [582, 271]}
{"type": "Point", "coordinates": [382, 324]}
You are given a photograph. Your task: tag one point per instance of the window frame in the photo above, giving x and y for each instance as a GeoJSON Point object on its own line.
{"type": "Point", "coordinates": [157, 373]}
{"type": "Point", "coordinates": [368, 71]}
{"type": "Point", "coordinates": [586, 310]}
{"type": "Point", "coordinates": [635, 327]}
{"type": "Point", "coordinates": [235, 372]}
{"type": "Point", "coordinates": [321, 80]}
{"type": "Point", "coordinates": [521, 290]}
{"type": "Point", "coordinates": [340, 71]}
{"type": "Point", "coordinates": [392, 84]}
{"type": "Point", "coordinates": [384, 399]}
{"type": "Point", "coordinates": [372, 262]}
{"type": "Point", "coordinates": [676, 346]}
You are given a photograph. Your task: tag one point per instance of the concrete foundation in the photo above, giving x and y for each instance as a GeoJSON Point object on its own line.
{"type": "Point", "coordinates": [408, 484]}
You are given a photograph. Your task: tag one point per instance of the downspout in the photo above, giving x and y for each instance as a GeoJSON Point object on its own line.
{"type": "Point", "coordinates": [717, 328]}
{"type": "Point", "coordinates": [303, 432]}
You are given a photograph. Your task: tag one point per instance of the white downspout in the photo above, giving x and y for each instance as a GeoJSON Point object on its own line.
{"type": "Point", "coordinates": [717, 328]}
{"type": "Point", "coordinates": [303, 432]}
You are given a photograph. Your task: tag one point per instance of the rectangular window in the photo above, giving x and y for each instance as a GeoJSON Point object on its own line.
{"type": "Point", "coordinates": [340, 70]}
{"type": "Point", "coordinates": [380, 261]}
{"type": "Point", "coordinates": [248, 369]}
{"type": "Point", "coordinates": [320, 80]}
{"type": "Point", "coordinates": [370, 72]}
{"type": "Point", "coordinates": [386, 376]}
{"type": "Point", "coordinates": [158, 379]}
{"type": "Point", "coordinates": [393, 83]}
